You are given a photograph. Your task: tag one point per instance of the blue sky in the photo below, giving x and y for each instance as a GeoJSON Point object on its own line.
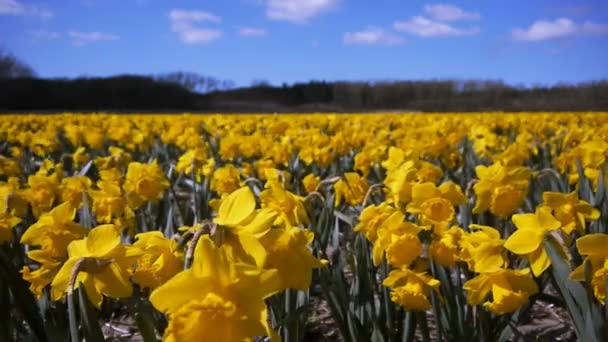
{"type": "Point", "coordinates": [521, 42]}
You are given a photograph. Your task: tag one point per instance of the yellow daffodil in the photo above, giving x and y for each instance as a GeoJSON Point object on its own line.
{"type": "Point", "coordinates": [398, 240]}
{"type": "Point", "coordinates": [435, 205]}
{"type": "Point", "coordinates": [483, 250]}
{"type": "Point", "coordinates": [12, 199]}
{"type": "Point", "coordinates": [143, 183]}
{"type": "Point", "coordinates": [510, 290]}
{"type": "Point", "coordinates": [310, 182]}
{"type": "Point", "coordinates": [241, 226]}
{"type": "Point", "coordinates": [217, 299]}
{"type": "Point", "coordinates": [570, 210]}
{"type": "Point", "coordinates": [108, 201]}
{"type": "Point", "coordinates": [445, 246]}
{"type": "Point", "coordinates": [351, 189]}
{"type": "Point", "coordinates": [528, 239]}
{"type": "Point", "coordinates": [411, 289]}
{"type": "Point", "coordinates": [160, 260]}
{"type": "Point", "coordinates": [290, 206]}
{"type": "Point", "coordinates": [72, 189]}
{"type": "Point", "coordinates": [372, 218]}
{"type": "Point", "coordinates": [41, 192]}
{"type": "Point", "coordinates": [103, 265]}
{"type": "Point", "coordinates": [593, 247]}
{"type": "Point", "coordinates": [288, 251]}
{"type": "Point", "coordinates": [225, 179]}
{"type": "Point", "coordinates": [7, 223]}
{"type": "Point", "coordinates": [500, 189]}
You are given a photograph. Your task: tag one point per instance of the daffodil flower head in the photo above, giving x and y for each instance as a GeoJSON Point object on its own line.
{"type": "Point", "coordinates": [510, 290]}
{"type": "Point", "coordinates": [570, 210]}
{"type": "Point", "coordinates": [216, 299]}
{"type": "Point", "coordinates": [528, 239]}
{"type": "Point", "coordinates": [411, 289]}
{"type": "Point", "coordinates": [101, 264]}
{"type": "Point", "coordinates": [593, 247]}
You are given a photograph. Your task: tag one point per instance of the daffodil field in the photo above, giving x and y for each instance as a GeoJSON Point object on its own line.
{"type": "Point", "coordinates": [431, 227]}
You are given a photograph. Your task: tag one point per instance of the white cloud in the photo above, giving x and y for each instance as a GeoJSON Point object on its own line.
{"type": "Point", "coordinates": [593, 29]}
{"type": "Point", "coordinates": [182, 23]}
{"type": "Point", "coordinates": [14, 7]}
{"type": "Point", "coordinates": [558, 28]}
{"type": "Point", "coordinates": [372, 36]}
{"type": "Point", "coordinates": [44, 34]}
{"type": "Point", "coordinates": [199, 35]}
{"type": "Point", "coordinates": [423, 27]}
{"type": "Point", "coordinates": [297, 11]}
{"type": "Point", "coordinates": [252, 32]}
{"type": "Point", "coordinates": [179, 15]}
{"type": "Point", "coordinates": [83, 38]}
{"type": "Point", "coordinates": [445, 12]}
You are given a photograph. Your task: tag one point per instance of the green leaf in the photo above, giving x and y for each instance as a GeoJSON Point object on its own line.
{"type": "Point", "coordinates": [23, 299]}
{"type": "Point", "coordinates": [145, 320]}
{"type": "Point", "coordinates": [574, 293]}
{"type": "Point", "coordinates": [88, 316]}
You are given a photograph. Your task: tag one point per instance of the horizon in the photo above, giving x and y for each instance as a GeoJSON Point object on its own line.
{"type": "Point", "coordinates": [296, 41]}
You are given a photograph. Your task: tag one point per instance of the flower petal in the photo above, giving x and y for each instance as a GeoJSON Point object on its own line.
{"type": "Point", "coordinates": [524, 241]}
{"type": "Point", "coordinates": [236, 207]}
{"type": "Point", "coordinates": [546, 220]}
{"type": "Point", "coordinates": [526, 221]}
{"type": "Point", "coordinates": [593, 244]}
{"type": "Point", "coordinates": [102, 240]}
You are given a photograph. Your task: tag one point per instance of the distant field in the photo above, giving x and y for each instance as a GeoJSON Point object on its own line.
{"type": "Point", "coordinates": [353, 227]}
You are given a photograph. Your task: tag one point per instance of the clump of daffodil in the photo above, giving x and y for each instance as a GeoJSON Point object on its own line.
{"type": "Point", "coordinates": [108, 200]}
{"type": "Point", "coordinates": [160, 260]}
{"type": "Point", "coordinates": [510, 290]}
{"type": "Point", "coordinates": [290, 206]}
{"type": "Point", "coordinates": [289, 254]}
{"type": "Point", "coordinates": [483, 249]}
{"type": "Point", "coordinates": [372, 218]}
{"type": "Point", "coordinates": [571, 211]}
{"type": "Point", "coordinates": [144, 183]}
{"type": "Point", "coordinates": [411, 289]}
{"type": "Point", "coordinates": [9, 167]}
{"type": "Point", "coordinates": [80, 157]}
{"type": "Point", "coordinates": [528, 239]}
{"type": "Point", "coordinates": [351, 189]}
{"type": "Point", "coordinates": [117, 158]}
{"type": "Point", "coordinates": [7, 223]}
{"type": "Point", "coordinates": [240, 226]}
{"type": "Point", "coordinates": [500, 189]}
{"type": "Point", "coordinates": [591, 154]}
{"type": "Point", "coordinates": [101, 264]}
{"type": "Point", "coordinates": [217, 299]}
{"type": "Point", "coordinates": [400, 177]}
{"type": "Point", "coordinates": [52, 233]}
{"type": "Point", "coordinates": [593, 247]}
{"type": "Point", "coordinates": [226, 179]}
{"type": "Point", "coordinates": [435, 205]}
{"type": "Point", "coordinates": [42, 190]}
{"type": "Point", "coordinates": [311, 182]}
{"type": "Point", "coordinates": [398, 240]}
{"type": "Point", "coordinates": [73, 189]}
{"type": "Point", "coordinates": [195, 162]}
{"type": "Point", "coordinates": [445, 247]}
{"type": "Point", "coordinates": [12, 198]}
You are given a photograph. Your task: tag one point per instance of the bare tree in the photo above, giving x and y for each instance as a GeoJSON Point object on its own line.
{"type": "Point", "coordinates": [11, 67]}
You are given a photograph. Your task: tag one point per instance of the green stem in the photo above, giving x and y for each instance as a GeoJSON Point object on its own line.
{"type": "Point", "coordinates": [423, 324]}
{"type": "Point", "coordinates": [72, 302]}
{"type": "Point", "coordinates": [409, 327]}
{"type": "Point", "coordinates": [204, 229]}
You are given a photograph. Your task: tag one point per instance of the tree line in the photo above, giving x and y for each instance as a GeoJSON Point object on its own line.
{"type": "Point", "coordinates": [20, 90]}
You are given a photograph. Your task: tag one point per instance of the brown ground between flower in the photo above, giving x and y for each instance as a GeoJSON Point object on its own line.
{"type": "Point", "coordinates": [545, 322]}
